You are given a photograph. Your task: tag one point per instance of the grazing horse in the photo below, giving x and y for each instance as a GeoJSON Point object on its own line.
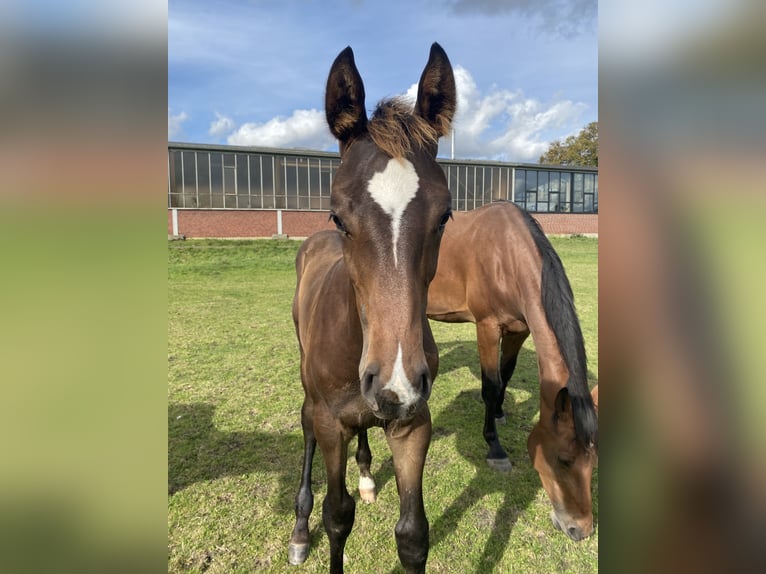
{"type": "Point", "coordinates": [368, 357]}
{"type": "Point", "coordinates": [498, 270]}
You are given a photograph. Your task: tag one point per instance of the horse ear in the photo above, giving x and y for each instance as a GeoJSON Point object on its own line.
{"type": "Point", "coordinates": [344, 100]}
{"type": "Point", "coordinates": [437, 95]}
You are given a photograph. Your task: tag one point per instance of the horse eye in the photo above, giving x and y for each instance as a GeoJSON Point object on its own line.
{"type": "Point", "coordinates": [338, 223]}
{"type": "Point", "coordinates": [565, 463]}
{"type": "Point", "coordinates": [445, 218]}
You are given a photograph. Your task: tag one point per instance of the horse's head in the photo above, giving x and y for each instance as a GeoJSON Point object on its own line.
{"type": "Point", "coordinates": [390, 203]}
{"type": "Point", "coordinates": [565, 466]}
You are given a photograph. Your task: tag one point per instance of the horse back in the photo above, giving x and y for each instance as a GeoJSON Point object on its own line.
{"type": "Point", "coordinates": [489, 269]}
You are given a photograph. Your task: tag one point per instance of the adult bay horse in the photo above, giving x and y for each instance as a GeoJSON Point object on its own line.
{"type": "Point", "coordinates": [368, 357]}
{"type": "Point", "coordinates": [498, 270]}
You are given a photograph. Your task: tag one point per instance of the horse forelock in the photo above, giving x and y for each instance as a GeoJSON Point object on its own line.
{"type": "Point", "coordinates": [398, 131]}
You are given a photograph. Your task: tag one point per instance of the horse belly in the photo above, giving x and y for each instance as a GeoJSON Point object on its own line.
{"type": "Point", "coordinates": [447, 301]}
{"type": "Point", "coordinates": [445, 316]}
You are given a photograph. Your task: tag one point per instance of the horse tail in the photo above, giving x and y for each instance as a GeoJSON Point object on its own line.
{"type": "Point", "coordinates": [558, 304]}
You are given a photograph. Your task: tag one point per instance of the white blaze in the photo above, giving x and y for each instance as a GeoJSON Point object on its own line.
{"type": "Point", "coordinates": [399, 383]}
{"type": "Point", "coordinates": [393, 189]}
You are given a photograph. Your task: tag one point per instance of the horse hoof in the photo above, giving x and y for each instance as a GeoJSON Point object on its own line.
{"type": "Point", "coordinates": [367, 489]}
{"type": "Point", "coordinates": [500, 420]}
{"type": "Point", "coordinates": [297, 553]}
{"type": "Point", "coordinates": [501, 464]}
{"type": "Point", "coordinates": [367, 496]}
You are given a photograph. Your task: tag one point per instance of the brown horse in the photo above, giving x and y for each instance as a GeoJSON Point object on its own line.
{"type": "Point", "coordinates": [368, 357]}
{"type": "Point", "coordinates": [498, 270]}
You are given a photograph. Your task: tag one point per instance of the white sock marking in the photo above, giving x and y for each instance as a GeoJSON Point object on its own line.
{"type": "Point", "coordinates": [393, 189]}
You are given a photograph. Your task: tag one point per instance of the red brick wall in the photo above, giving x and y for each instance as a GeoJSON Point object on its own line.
{"type": "Point", "coordinates": [251, 223]}
{"type": "Point", "coordinates": [568, 223]}
{"type": "Point", "coordinates": [305, 223]}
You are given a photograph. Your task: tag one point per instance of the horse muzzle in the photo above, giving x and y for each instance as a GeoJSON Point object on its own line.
{"type": "Point", "coordinates": [576, 529]}
{"type": "Point", "coordinates": [398, 398]}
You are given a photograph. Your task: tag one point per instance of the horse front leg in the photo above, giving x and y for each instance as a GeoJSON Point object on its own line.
{"type": "Point", "coordinates": [338, 508]}
{"type": "Point", "coordinates": [510, 345]}
{"type": "Point", "coordinates": [298, 548]}
{"type": "Point", "coordinates": [409, 445]}
{"type": "Point", "coordinates": [364, 460]}
{"type": "Point", "coordinates": [492, 389]}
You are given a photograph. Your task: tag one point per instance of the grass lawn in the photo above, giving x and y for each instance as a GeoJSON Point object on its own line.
{"type": "Point", "coordinates": [235, 443]}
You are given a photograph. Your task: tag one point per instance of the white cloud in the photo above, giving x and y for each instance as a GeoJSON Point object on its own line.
{"type": "Point", "coordinates": [174, 123]}
{"type": "Point", "coordinates": [506, 125]}
{"type": "Point", "coordinates": [304, 129]}
{"type": "Point", "coordinates": [565, 17]}
{"type": "Point", "coordinates": [501, 124]}
{"type": "Point", "coordinates": [221, 126]}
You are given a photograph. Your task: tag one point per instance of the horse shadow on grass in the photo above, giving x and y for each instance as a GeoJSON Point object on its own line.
{"type": "Point", "coordinates": [463, 418]}
{"type": "Point", "coordinates": [199, 451]}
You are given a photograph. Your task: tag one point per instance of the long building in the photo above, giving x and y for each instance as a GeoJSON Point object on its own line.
{"type": "Point", "coordinates": [233, 191]}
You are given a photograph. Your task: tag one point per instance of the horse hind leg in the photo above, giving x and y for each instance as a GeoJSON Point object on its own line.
{"type": "Point", "coordinates": [491, 393]}
{"type": "Point", "coordinates": [364, 460]}
{"type": "Point", "coordinates": [298, 548]}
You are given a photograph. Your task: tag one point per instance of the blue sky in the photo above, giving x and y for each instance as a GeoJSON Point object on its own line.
{"type": "Point", "coordinates": [253, 72]}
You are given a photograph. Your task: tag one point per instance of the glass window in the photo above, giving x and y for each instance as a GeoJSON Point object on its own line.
{"type": "Point", "coordinates": [267, 177]}
{"type": "Point", "coordinates": [531, 180]}
{"type": "Point", "coordinates": [531, 201]}
{"type": "Point", "coordinates": [291, 177]}
{"type": "Point", "coordinates": [453, 184]}
{"type": "Point", "coordinates": [499, 176]}
{"type": "Point", "coordinates": [203, 173]}
{"type": "Point", "coordinates": [243, 187]}
{"type": "Point", "coordinates": [190, 173]}
{"type": "Point", "coordinates": [554, 201]}
{"type": "Point", "coordinates": [565, 195]}
{"type": "Point", "coordinates": [313, 183]}
{"type": "Point", "coordinates": [303, 176]}
{"type": "Point", "coordinates": [483, 176]}
{"type": "Point", "coordinates": [241, 180]}
{"type": "Point", "coordinates": [577, 188]}
{"type": "Point", "coordinates": [254, 165]}
{"type": "Point", "coordinates": [595, 194]}
{"type": "Point", "coordinates": [519, 187]}
{"type": "Point", "coordinates": [553, 181]}
{"type": "Point", "coordinates": [542, 190]}
{"type": "Point", "coordinates": [229, 181]}
{"type": "Point", "coordinates": [325, 177]}
{"type": "Point", "coordinates": [176, 174]}
{"type": "Point", "coordinates": [470, 181]}
{"type": "Point", "coordinates": [588, 182]}
{"type": "Point", "coordinates": [216, 176]}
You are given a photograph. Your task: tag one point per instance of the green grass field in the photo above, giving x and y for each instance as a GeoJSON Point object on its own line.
{"type": "Point", "coordinates": [235, 444]}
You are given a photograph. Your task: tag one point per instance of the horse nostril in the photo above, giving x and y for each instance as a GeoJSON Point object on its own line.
{"type": "Point", "coordinates": [574, 534]}
{"type": "Point", "coordinates": [367, 384]}
{"type": "Point", "coordinates": [425, 384]}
